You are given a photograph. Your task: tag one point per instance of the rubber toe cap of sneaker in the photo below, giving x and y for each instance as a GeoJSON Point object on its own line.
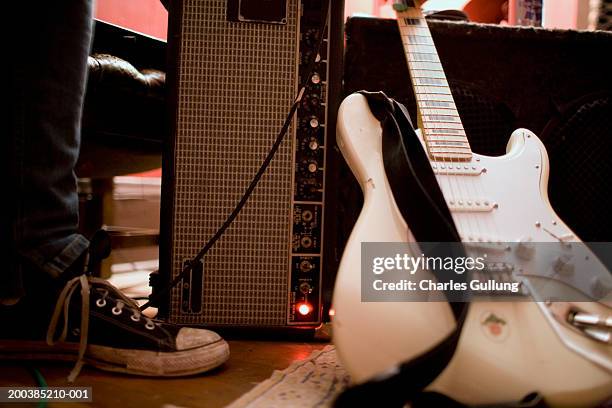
{"type": "Point", "coordinates": [189, 338]}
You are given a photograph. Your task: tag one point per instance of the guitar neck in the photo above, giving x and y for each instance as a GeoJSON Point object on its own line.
{"type": "Point", "coordinates": [438, 117]}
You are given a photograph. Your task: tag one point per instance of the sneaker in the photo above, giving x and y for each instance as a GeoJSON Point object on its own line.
{"type": "Point", "coordinates": [95, 323]}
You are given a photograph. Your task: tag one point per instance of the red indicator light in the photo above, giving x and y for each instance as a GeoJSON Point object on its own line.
{"type": "Point", "coordinates": [332, 312]}
{"type": "Point", "coordinates": [304, 309]}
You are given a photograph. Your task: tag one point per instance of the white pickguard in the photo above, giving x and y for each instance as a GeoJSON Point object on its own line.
{"type": "Point", "coordinates": [535, 353]}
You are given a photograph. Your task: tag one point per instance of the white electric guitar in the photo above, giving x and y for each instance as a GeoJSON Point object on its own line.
{"type": "Point", "coordinates": [507, 349]}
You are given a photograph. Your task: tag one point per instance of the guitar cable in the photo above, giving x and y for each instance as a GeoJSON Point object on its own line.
{"type": "Point", "coordinates": [155, 297]}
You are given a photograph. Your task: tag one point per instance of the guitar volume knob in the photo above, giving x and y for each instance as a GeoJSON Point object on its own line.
{"type": "Point", "coordinates": [599, 288]}
{"type": "Point", "coordinates": [525, 249]}
{"type": "Point", "coordinates": [563, 265]}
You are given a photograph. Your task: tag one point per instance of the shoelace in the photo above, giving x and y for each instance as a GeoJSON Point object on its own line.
{"type": "Point", "coordinates": [62, 308]}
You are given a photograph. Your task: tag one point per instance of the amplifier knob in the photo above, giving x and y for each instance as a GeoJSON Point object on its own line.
{"type": "Point", "coordinates": [314, 101]}
{"type": "Point", "coordinates": [564, 266]}
{"type": "Point", "coordinates": [315, 78]}
{"type": "Point", "coordinates": [306, 242]}
{"type": "Point", "coordinates": [306, 266]}
{"type": "Point", "coordinates": [314, 122]}
{"type": "Point", "coordinates": [307, 216]}
{"type": "Point", "coordinates": [306, 56]}
{"type": "Point", "coordinates": [313, 145]}
{"type": "Point", "coordinates": [311, 37]}
{"type": "Point", "coordinates": [311, 102]}
{"type": "Point", "coordinates": [305, 288]}
{"type": "Point", "coordinates": [312, 167]}
{"type": "Point", "coordinates": [525, 249]}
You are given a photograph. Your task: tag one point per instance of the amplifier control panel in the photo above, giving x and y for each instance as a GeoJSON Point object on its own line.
{"type": "Point", "coordinates": [308, 195]}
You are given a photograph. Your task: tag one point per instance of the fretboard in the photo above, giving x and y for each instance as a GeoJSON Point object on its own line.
{"type": "Point", "coordinates": [439, 120]}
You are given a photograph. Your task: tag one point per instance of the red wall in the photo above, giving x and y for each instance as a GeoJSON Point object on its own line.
{"type": "Point", "coordinates": [145, 16]}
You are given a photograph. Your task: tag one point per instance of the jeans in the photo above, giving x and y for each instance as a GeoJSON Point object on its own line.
{"type": "Point", "coordinates": [46, 78]}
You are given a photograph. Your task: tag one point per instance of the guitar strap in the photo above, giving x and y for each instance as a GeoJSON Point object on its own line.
{"type": "Point", "coordinates": [421, 202]}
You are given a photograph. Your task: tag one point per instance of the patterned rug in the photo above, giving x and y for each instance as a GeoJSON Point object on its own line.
{"type": "Point", "coordinates": [313, 382]}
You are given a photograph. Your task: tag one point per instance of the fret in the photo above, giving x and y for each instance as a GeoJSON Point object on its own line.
{"type": "Point", "coordinates": [422, 57]}
{"type": "Point", "coordinates": [441, 118]}
{"type": "Point", "coordinates": [448, 143]}
{"type": "Point", "coordinates": [441, 114]}
{"type": "Point", "coordinates": [436, 124]}
{"type": "Point", "coordinates": [412, 21]}
{"type": "Point", "coordinates": [421, 49]}
{"type": "Point", "coordinates": [412, 30]}
{"type": "Point", "coordinates": [406, 40]}
{"type": "Point", "coordinates": [425, 49]}
{"type": "Point", "coordinates": [427, 66]}
{"type": "Point", "coordinates": [452, 157]}
{"type": "Point", "coordinates": [432, 90]}
{"type": "Point", "coordinates": [439, 125]}
{"type": "Point", "coordinates": [430, 81]}
{"type": "Point", "coordinates": [461, 139]}
{"type": "Point", "coordinates": [463, 147]}
{"type": "Point", "coordinates": [418, 39]}
{"type": "Point", "coordinates": [449, 149]}
{"type": "Point", "coordinates": [438, 104]}
{"type": "Point", "coordinates": [463, 155]}
{"type": "Point", "coordinates": [434, 97]}
{"type": "Point", "coordinates": [438, 111]}
{"type": "Point", "coordinates": [419, 73]}
{"type": "Point", "coordinates": [420, 29]}
{"type": "Point", "coordinates": [446, 132]}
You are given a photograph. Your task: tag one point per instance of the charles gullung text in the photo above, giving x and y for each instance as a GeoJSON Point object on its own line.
{"type": "Point", "coordinates": [458, 265]}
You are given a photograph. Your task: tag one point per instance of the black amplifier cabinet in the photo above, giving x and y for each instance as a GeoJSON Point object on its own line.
{"type": "Point", "coordinates": [556, 83]}
{"type": "Point", "coordinates": [234, 71]}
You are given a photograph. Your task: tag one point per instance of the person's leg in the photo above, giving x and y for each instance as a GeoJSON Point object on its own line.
{"type": "Point", "coordinates": [44, 293]}
{"type": "Point", "coordinates": [46, 86]}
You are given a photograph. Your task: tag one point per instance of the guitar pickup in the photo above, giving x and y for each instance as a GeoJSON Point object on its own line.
{"type": "Point", "coordinates": [456, 169]}
{"type": "Point", "coordinates": [471, 205]}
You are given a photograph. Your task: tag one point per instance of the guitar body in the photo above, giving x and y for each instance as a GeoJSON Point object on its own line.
{"type": "Point", "coordinates": [531, 351]}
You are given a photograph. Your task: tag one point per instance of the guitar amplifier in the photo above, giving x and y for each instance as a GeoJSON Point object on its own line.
{"type": "Point", "coordinates": [235, 66]}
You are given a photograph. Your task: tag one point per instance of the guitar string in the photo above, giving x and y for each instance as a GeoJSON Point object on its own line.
{"type": "Point", "coordinates": [406, 31]}
{"type": "Point", "coordinates": [463, 219]}
{"type": "Point", "coordinates": [486, 228]}
{"type": "Point", "coordinates": [454, 191]}
{"type": "Point", "coordinates": [468, 223]}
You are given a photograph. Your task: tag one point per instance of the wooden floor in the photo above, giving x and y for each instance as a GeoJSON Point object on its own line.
{"type": "Point", "coordinates": [250, 363]}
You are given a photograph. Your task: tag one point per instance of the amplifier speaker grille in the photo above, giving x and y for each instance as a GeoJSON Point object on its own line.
{"type": "Point", "coordinates": [236, 82]}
